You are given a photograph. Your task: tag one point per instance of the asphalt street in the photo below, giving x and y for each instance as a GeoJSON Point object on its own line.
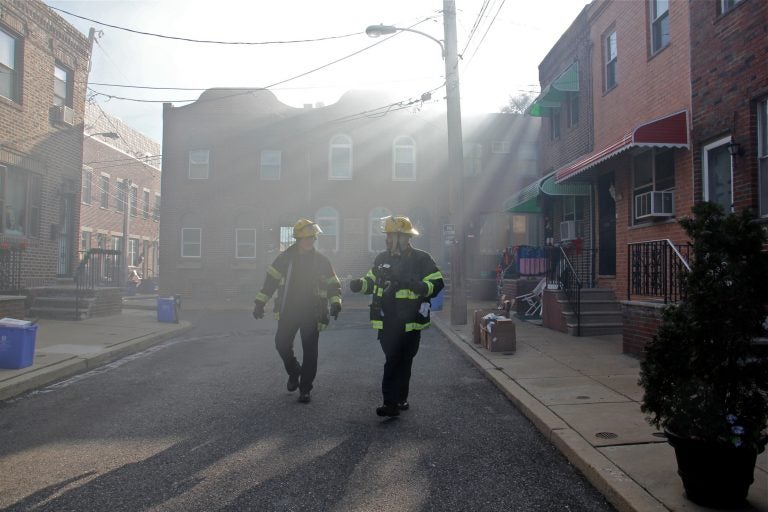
{"type": "Point", "coordinates": [203, 422]}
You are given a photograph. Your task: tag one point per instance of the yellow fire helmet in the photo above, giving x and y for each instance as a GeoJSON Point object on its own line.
{"type": "Point", "coordinates": [305, 228]}
{"type": "Point", "coordinates": [398, 224]}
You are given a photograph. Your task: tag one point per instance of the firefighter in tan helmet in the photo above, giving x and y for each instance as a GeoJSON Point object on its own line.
{"type": "Point", "coordinates": [402, 281]}
{"type": "Point", "coordinates": [307, 286]}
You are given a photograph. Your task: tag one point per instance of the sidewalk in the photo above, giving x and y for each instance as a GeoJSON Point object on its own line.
{"type": "Point", "coordinates": [582, 394]}
{"type": "Point", "coordinates": [64, 348]}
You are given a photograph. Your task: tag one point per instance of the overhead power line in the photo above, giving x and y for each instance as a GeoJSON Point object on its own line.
{"type": "Point", "coordinates": [205, 41]}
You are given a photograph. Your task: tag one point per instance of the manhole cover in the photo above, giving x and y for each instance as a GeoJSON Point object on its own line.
{"type": "Point", "coordinates": [582, 397]}
{"type": "Point", "coordinates": [606, 435]}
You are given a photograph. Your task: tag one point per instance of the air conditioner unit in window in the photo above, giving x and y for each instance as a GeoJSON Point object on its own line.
{"type": "Point", "coordinates": [570, 229]}
{"type": "Point", "coordinates": [63, 114]}
{"type": "Point", "coordinates": [655, 204]}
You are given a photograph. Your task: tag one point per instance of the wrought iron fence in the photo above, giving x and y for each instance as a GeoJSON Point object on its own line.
{"type": "Point", "coordinates": [10, 269]}
{"type": "Point", "coordinates": [99, 267]}
{"type": "Point", "coordinates": [656, 270]}
{"type": "Point", "coordinates": [565, 274]}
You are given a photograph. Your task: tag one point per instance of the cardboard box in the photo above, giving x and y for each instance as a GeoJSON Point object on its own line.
{"type": "Point", "coordinates": [502, 336]}
{"type": "Point", "coordinates": [477, 324]}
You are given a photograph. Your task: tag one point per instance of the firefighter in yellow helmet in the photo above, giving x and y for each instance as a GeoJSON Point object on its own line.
{"type": "Point", "coordinates": [306, 285]}
{"type": "Point", "coordinates": [402, 281]}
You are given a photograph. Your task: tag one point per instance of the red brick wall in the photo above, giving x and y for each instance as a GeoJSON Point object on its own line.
{"type": "Point", "coordinates": [729, 72]}
{"type": "Point", "coordinates": [641, 321]}
{"type": "Point", "coordinates": [30, 141]}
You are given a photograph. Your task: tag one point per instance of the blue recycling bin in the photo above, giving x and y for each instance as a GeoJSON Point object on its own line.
{"type": "Point", "coordinates": [17, 346]}
{"type": "Point", "coordinates": [437, 301]}
{"type": "Point", "coordinates": [167, 310]}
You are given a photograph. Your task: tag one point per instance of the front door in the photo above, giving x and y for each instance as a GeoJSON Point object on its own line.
{"type": "Point", "coordinates": [64, 242]}
{"type": "Point", "coordinates": [607, 225]}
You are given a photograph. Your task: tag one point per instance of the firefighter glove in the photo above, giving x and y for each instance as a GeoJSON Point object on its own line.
{"type": "Point", "coordinates": [356, 285]}
{"type": "Point", "coordinates": [335, 310]}
{"type": "Point", "coordinates": [258, 310]}
{"type": "Point", "coordinates": [420, 288]}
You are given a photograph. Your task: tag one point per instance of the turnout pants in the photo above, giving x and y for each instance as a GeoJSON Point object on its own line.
{"type": "Point", "coordinates": [399, 348]}
{"type": "Point", "coordinates": [286, 332]}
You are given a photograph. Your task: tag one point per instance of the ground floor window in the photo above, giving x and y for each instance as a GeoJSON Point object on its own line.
{"type": "Point", "coordinates": [653, 184]}
{"type": "Point", "coordinates": [191, 242]}
{"type": "Point", "coordinates": [245, 243]}
{"type": "Point", "coordinates": [762, 154]}
{"type": "Point", "coordinates": [20, 199]}
{"type": "Point", "coordinates": [718, 174]}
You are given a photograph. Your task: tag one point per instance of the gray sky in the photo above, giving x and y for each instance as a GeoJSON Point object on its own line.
{"type": "Point", "coordinates": [500, 59]}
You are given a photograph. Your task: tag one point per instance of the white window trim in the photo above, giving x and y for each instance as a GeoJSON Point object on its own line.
{"type": "Point", "coordinates": [705, 167]}
{"type": "Point", "coordinates": [238, 244]}
{"type": "Point", "coordinates": [199, 244]}
{"type": "Point", "coordinates": [607, 60]}
{"type": "Point", "coordinates": [200, 164]}
{"type": "Point", "coordinates": [335, 219]}
{"type": "Point", "coordinates": [347, 145]}
{"type": "Point", "coordinates": [501, 147]}
{"type": "Point", "coordinates": [656, 24]}
{"type": "Point", "coordinates": [280, 164]}
{"type": "Point", "coordinates": [395, 147]}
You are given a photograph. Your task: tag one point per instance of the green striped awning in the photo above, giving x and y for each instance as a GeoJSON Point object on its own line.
{"type": "Point", "coordinates": [554, 94]}
{"type": "Point", "coordinates": [567, 188]}
{"type": "Point", "coordinates": [525, 201]}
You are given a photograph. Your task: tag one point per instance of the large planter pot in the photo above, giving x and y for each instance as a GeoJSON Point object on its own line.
{"type": "Point", "coordinates": [715, 475]}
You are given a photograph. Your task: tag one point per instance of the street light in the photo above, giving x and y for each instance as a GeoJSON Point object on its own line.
{"type": "Point", "coordinates": [455, 150]}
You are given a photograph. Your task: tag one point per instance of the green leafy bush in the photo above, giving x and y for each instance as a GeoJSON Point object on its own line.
{"type": "Point", "coordinates": [702, 376]}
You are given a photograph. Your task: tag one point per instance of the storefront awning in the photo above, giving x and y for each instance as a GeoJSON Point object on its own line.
{"type": "Point", "coordinates": [526, 200]}
{"type": "Point", "coordinates": [667, 132]}
{"type": "Point", "coordinates": [554, 94]}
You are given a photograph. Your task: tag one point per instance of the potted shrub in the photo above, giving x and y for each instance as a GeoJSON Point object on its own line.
{"type": "Point", "coordinates": [705, 384]}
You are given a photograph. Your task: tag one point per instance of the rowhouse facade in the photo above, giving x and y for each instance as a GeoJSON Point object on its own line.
{"type": "Point", "coordinates": [43, 64]}
{"type": "Point", "coordinates": [239, 167]}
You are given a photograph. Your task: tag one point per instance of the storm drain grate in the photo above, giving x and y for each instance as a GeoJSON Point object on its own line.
{"type": "Point", "coordinates": [606, 435]}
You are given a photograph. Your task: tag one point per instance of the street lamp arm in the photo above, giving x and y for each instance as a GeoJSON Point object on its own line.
{"type": "Point", "coordinates": [381, 30]}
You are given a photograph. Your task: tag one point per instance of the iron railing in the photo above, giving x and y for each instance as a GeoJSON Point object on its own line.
{"type": "Point", "coordinates": [564, 273]}
{"type": "Point", "coordinates": [10, 269]}
{"type": "Point", "coordinates": [99, 267]}
{"type": "Point", "coordinates": [656, 270]}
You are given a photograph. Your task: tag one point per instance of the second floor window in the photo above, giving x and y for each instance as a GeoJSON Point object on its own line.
{"type": "Point", "coordinates": [134, 200]}
{"type": "Point", "coordinates": [145, 204]}
{"type": "Point", "coordinates": [104, 192]}
{"type": "Point", "coordinates": [271, 164]}
{"type": "Point", "coordinates": [610, 58]}
{"type": "Point", "coordinates": [727, 5]}
{"type": "Point", "coordinates": [199, 164]}
{"type": "Point", "coordinates": [659, 25]}
{"type": "Point", "coordinates": [554, 124]}
{"type": "Point", "coordinates": [156, 210]}
{"type": "Point", "coordinates": [340, 158]}
{"type": "Point", "coordinates": [121, 193]}
{"type": "Point", "coordinates": [572, 102]}
{"type": "Point", "coordinates": [62, 86]}
{"type": "Point", "coordinates": [9, 66]}
{"type": "Point", "coordinates": [404, 159]}
{"type": "Point", "coordinates": [87, 186]}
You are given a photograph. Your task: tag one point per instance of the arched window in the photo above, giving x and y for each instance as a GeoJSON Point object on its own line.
{"type": "Point", "coordinates": [340, 158]}
{"type": "Point", "coordinates": [404, 159]}
{"type": "Point", "coordinates": [376, 237]}
{"type": "Point", "coordinates": [328, 220]}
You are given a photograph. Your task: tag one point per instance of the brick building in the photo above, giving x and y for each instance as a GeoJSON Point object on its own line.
{"type": "Point", "coordinates": [44, 64]}
{"type": "Point", "coordinates": [120, 165]}
{"type": "Point", "coordinates": [639, 165]}
{"type": "Point", "coordinates": [729, 75]}
{"type": "Point", "coordinates": [239, 168]}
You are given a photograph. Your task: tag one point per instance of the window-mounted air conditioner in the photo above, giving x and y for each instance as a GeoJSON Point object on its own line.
{"type": "Point", "coordinates": [63, 114]}
{"type": "Point", "coordinates": [655, 204]}
{"type": "Point", "coordinates": [570, 229]}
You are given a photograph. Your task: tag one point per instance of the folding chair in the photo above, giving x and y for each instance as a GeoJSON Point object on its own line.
{"type": "Point", "coordinates": [533, 298]}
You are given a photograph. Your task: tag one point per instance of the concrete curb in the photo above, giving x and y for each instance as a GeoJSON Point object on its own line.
{"type": "Point", "coordinates": [618, 488]}
{"type": "Point", "coordinates": [46, 375]}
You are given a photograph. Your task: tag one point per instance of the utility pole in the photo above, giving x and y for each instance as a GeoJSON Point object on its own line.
{"type": "Point", "coordinates": [456, 165]}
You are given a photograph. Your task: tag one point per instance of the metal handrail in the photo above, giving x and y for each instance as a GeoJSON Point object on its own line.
{"type": "Point", "coordinates": [570, 284]}
{"type": "Point", "coordinates": [99, 267]}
